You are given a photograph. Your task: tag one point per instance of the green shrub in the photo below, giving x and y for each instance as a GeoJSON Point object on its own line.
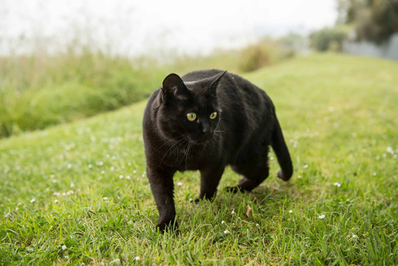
{"type": "Point", "coordinates": [328, 39]}
{"type": "Point", "coordinates": [254, 57]}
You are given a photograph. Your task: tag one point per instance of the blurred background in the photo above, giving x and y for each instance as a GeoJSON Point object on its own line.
{"type": "Point", "coordinates": [65, 60]}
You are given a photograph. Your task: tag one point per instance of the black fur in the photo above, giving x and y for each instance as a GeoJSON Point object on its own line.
{"type": "Point", "coordinates": [239, 136]}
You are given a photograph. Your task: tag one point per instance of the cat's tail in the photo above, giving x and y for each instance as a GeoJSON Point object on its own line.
{"type": "Point", "coordinates": [282, 153]}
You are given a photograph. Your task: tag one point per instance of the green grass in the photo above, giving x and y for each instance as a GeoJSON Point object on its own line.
{"type": "Point", "coordinates": [339, 115]}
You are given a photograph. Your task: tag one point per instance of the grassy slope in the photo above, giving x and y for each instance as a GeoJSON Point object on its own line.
{"type": "Point", "coordinates": [339, 115]}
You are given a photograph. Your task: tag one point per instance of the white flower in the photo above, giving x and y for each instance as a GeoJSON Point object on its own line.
{"type": "Point", "coordinates": [56, 201]}
{"type": "Point", "coordinates": [290, 211]}
{"type": "Point", "coordinates": [178, 184]}
{"type": "Point", "coordinates": [69, 165]}
{"type": "Point", "coordinates": [299, 176]}
{"type": "Point", "coordinates": [72, 185]}
{"type": "Point", "coordinates": [128, 177]}
{"type": "Point", "coordinates": [112, 168]}
{"type": "Point", "coordinates": [102, 172]}
{"type": "Point", "coordinates": [67, 257]}
{"type": "Point", "coordinates": [64, 247]}
{"type": "Point", "coordinates": [354, 236]}
{"type": "Point", "coordinates": [90, 166]}
{"type": "Point", "coordinates": [100, 163]}
{"type": "Point", "coordinates": [257, 225]}
{"type": "Point", "coordinates": [337, 184]}
{"type": "Point", "coordinates": [105, 198]}
{"type": "Point", "coordinates": [56, 194]}
{"type": "Point", "coordinates": [233, 212]}
{"type": "Point", "coordinates": [137, 258]}
{"type": "Point", "coordinates": [121, 176]}
{"type": "Point", "coordinates": [390, 150]}
{"type": "Point", "coordinates": [271, 158]}
{"type": "Point", "coordinates": [222, 222]}
{"type": "Point", "coordinates": [321, 216]}
{"type": "Point", "coordinates": [32, 200]}
{"type": "Point", "coordinates": [374, 174]}
{"type": "Point", "coordinates": [226, 232]}
{"type": "Point", "coordinates": [190, 199]}
{"type": "Point", "coordinates": [134, 171]}
{"type": "Point", "coordinates": [305, 166]}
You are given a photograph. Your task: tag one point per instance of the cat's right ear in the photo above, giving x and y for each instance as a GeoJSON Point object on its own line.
{"type": "Point", "coordinates": [173, 86]}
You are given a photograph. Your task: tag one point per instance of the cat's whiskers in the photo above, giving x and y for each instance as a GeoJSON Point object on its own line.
{"type": "Point", "coordinates": [167, 141]}
{"type": "Point", "coordinates": [175, 146]}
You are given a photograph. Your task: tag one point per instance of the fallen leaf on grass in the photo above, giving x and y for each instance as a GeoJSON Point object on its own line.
{"type": "Point", "coordinates": [248, 209]}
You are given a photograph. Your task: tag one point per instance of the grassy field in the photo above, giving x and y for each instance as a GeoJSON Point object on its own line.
{"type": "Point", "coordinates": [41, 90]}
{"type": "Point", "coordinates": [78, 193]}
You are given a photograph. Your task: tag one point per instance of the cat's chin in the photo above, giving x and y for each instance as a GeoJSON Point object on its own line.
{"type": "Point", "coordinates": [201, 141]}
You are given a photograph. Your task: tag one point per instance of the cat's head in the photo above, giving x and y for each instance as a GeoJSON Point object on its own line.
{"type": "Point", "coordinates": [189, 110]}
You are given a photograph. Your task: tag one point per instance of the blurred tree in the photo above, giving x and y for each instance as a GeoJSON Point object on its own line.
{"type": "Point", "coordinates": [375, 20]}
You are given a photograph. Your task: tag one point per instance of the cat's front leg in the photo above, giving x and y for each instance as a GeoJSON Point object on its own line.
{"type": "Point", "coordinates": [162, 186]}
{"type": "Point", "coordinates": [209, 180]}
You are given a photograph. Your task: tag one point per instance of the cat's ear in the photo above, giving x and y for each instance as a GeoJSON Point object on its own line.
{"type": "Point", "coordinates": [214, 84]}
{"type": "Point", "coordinates": [173, 86]}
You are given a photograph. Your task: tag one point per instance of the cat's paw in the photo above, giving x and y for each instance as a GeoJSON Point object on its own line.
{"type": "Point", "coordinates": [170, 226]}
{"type": "Point", "coordinates": [235, 189]}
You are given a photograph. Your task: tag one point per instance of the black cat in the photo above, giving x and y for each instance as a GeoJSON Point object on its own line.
{"type": "Point", "coordinates": [205, 121]}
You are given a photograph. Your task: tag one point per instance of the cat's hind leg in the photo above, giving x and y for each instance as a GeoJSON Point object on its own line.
{"type": "Point", "coordinates": [254, 173]}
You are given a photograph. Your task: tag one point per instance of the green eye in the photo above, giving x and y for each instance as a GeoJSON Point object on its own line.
{"type": "Point", "coordinates": [191, 116]}
{"type": "Point", "coordinates": [213, 115]}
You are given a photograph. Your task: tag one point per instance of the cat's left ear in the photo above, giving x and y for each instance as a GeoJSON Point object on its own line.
{"type": "Point", "coordinates": [214, 84]}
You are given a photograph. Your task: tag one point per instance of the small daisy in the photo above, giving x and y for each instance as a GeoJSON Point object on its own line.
{"type": "Point", "coordinates": [137, 258]}
{"type": "Point", "coordinates": [121, 176]}
{"type": "Point", "coordinates": [64, 247]}
{"type": "Point", "coordinates": [32, 200]}
{"type": "Point", "coordinates": [134, 171]}
{"type": "Point", "coordinates": [190, 199]}
{"type": "Point", "coordinates": [233, 212]}
{"type": "Point", "coordinates": [56, 201]}
{"type": "Point", "coordinates": [337, 184]}
{"type": "Point", "coordinates": [321, 216]}
{"type": "Point", "coordinates": [290, 211]}
{"type": "Point", "coordinates": [69, 165]}
{"type": "Point", "coordinates": [226, 232]}
{"type": "Point", "coordinates": [354, 236]}
{"type": "Point", "coordinates": [128, 177]}
{"type": "Point", "coordinates": [305, 166]}
{"type": "Point", "coordinates": [178, 184]}
{"type": "Point", "coordinates": [105, 198]}
{"type": "Point", "coordinates": [90, 166]}
{"type": "Point", "coordinates": [222, 222]}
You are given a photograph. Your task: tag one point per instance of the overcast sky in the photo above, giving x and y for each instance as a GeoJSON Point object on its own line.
{"type": "Point", "coordinates": [148, 25]}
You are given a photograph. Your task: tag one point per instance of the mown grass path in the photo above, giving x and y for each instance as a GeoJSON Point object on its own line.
{"type": "Point", "coordinates": [78, 193]}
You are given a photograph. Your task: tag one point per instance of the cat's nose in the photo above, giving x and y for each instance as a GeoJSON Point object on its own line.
{"type": "Point", "coordinates": [206, 130]}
